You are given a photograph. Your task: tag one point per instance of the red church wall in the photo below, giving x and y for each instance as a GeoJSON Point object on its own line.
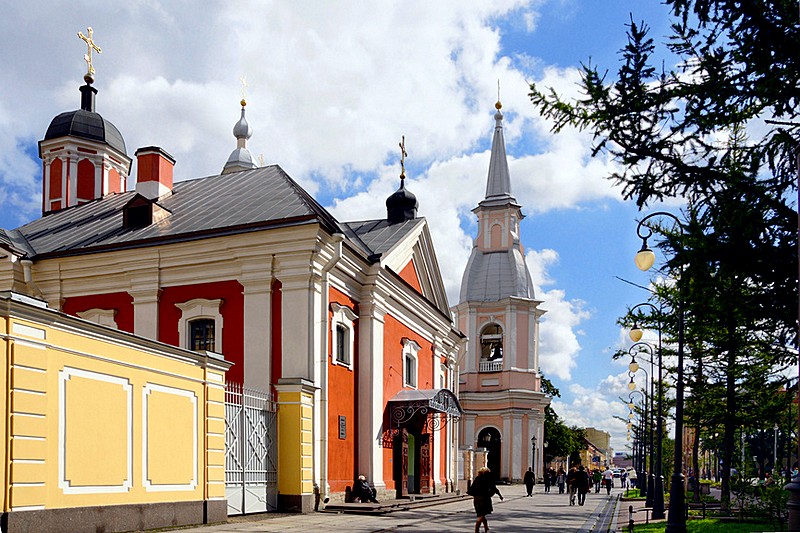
{"type": "Point", "coordinates": [393, 333]}
{"type": "Point", "coordinates": [231, 309]}
{"type": "Point", "coordinates": [86, 180]}
{"type": "Point", "coordinates": [276, 314]}
{"type": "Point", "coordinates": [342, 393]}
{"type": "Point", "coordinates": [409, 275]}
{"type": "Point", "coordinates": [113, 180]}
{"type": "Point", "coordinates": [122, 302]}
{"type": "Point", "coordinates": [56, 169]}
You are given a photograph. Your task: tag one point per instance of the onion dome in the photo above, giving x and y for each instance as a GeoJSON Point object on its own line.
{"type": "Point", "coordinates": [402, 204]}
{"type": "Point", "coordinates": [240, 158]}
{"type": "Point", "coordinates": [85, 123]}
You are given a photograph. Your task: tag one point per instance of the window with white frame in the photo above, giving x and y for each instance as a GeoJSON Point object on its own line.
{"type": "Point", "coordinates": [410, 351]}
{"type": "Point", "coordinates": [342, 337]}
{"type": "Point", "coordinates": [200, 325]}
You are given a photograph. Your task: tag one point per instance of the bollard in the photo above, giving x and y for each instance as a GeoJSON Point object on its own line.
{"type": "Point", "coordinates": [794, 503]}
{"type": "Point", "coordinates": [630, 519]}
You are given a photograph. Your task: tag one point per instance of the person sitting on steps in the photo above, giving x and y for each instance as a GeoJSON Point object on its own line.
{"type": "Point", "coordinates": [363, 491]}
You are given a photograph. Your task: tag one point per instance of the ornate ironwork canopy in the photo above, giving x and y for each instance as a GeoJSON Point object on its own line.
{"type": "Point", "coordinates": [436, 405]}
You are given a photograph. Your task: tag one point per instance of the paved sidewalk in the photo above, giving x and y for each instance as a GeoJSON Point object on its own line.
{"type": "Point", "coordinates": [545, 513]}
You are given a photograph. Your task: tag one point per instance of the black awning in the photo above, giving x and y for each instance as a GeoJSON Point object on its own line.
{"type": "Point", "coordinates": [409, 402]}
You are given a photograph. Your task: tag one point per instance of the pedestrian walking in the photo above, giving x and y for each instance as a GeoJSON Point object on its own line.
{"type": "Point", "coordinates": [571, 486]}
{"type": "Point", "coordinates": [561, 480]}
{"type": "Point", "coordinates": [597, 477]}
{"type": "Point", "coordinates": [581, 484]}
{"type": "Point", "coordinates": [548, 478]}
{"type": "Point", "coordinates": [482, 490]}
{"type": "Point", "coordinates": [608, 479]}
{"type": "Point", "coordinates": [529, 481]}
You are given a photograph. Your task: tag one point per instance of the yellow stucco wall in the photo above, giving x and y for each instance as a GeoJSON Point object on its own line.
{"type": "Point", "coordinates": [295, 446]}
{"type": "Point", "coordinates": [99, 417]}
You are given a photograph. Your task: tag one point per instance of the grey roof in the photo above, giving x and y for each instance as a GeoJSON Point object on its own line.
{"type": "Point", "coordinates": [498, 183]}
{"type": "Point", "coordinates": [86, 125]}
{"type": "Point", "coordinates": [217, 205]}
{"type": "Point", "coordinates": [493, 276]}
{"type": "Point", "coordinates": [378, 236]}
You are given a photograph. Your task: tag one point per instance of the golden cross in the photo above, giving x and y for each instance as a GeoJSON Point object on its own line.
{"type": "Point", "coordinates": [403, 156]}
{"type": "Point", "coordinates": [90, 45]}
{"type": "Point", "coordinates": [243, 79]}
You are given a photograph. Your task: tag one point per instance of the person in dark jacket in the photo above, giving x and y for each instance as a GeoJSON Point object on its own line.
{"type": "Point", "coordinates": [482, 490]}
{"type": "Point", "coordinates": [528, 479]}
{"type": "Point", "coordinates": [582, 484]}
{"type": "Point", "coordinates": [571, 486]}
{"type": "Point", "coordinates": [363, 491]}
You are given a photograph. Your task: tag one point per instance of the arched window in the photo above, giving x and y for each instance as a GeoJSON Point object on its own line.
{"type": "Point", "coordinates": [491, 342]}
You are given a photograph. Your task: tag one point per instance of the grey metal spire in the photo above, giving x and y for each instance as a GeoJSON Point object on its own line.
{"type": "Point", "coordinates": [498, 184]}
{"type": "Point", "coordinates": [240, 158]}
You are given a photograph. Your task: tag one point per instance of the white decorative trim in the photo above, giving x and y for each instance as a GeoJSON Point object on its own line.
{"type": "Point", "coordinates": [148, 485]}
{"type": "Point", "coordinates": [346, 317]}
{"type": "Point", "coordinates": [28, 508]}
{"type": "Point", "coordinates": [410, 350]}
{"type": "Point", "coordinates": [215, 377]}
{"type": "Point", "coordinates": [63, 483]}
{"type": "Point", "coordinates": [28, 331]}
{"type": "Point", "coordinates": [199, 308]}
{"type": "Point", "coordinates": [104, 317]}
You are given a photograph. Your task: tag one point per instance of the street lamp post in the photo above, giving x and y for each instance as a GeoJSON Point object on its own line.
{"type": "Point", "coordinates": [655, 490]}
{"type": "Point", "coordinates": [676, 521]}
{"type": "Point", "coordinates": [533, 456]}
{"type": "Point", "coordinates": [649, 487]}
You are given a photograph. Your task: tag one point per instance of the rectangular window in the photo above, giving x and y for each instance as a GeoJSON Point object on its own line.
{"type": "Point", "coordinates": [342, 344]}
{"type": "Point", "coordinates": [201, 335]}
{"type": "Point", "coordinates": [411, 370]}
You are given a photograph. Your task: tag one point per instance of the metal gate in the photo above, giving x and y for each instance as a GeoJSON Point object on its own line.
{"type": "Point", "coordinates": [251, 474]}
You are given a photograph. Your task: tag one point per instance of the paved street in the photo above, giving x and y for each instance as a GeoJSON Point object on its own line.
{"type": "Point", "coordinates": [542, 513]}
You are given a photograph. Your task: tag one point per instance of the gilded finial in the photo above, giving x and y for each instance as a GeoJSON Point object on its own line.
{"type": "Point", "coordinates": [403, 156]}
{"type": "Point", "coordinates": [498, 105]}
{"type": "Point", "coordinates": [243, 79]}
{"type": "Point", "coordinates": [90, 47]}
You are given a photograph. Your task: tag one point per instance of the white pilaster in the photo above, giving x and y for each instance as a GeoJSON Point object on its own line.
{"type": "Point", "coordinates": [257, 342]}
{"type": "Point", "coordinates": [73, 181]}
{"type": "Point", "coordinates": [370, 391]}
{"type": "Point", "coordinates": [518, 448]}
{"type": "Point", "coordinates": [145, 311]}
{"type": "Point", "coordinates": [505, 453]}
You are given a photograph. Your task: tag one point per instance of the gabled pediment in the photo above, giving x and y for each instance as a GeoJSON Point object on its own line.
{"type": "Point", "coordinates": [414, 255]}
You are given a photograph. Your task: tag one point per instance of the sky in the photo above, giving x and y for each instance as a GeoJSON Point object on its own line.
{"type": "Point", "coordinates": [331, 88]}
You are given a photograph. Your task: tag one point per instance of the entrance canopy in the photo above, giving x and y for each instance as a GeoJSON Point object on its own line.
{"type": "Point", "coordinates": [437, 405]}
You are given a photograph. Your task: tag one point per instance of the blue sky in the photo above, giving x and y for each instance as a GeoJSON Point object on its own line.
{"type": "Point", "coordinates": [331, 88]}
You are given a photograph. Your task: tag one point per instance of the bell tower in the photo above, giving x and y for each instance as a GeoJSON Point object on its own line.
{"type": "Point", "coordinates": [499, 382]}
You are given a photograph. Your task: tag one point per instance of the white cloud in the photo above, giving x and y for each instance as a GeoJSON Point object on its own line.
{"type": "Point", "coordinates": [559, 345]}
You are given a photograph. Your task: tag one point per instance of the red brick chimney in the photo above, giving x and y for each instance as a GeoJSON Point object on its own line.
{"type": "Point", "coordinates": [154, 175]}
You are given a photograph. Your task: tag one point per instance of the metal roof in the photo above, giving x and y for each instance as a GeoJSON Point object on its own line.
{"type": "Point", "coordinates": [86, 125]}
{"type": "Point", "coordinates": [493, 276]}
{"type": "Point", "coordinates": [216, 205]}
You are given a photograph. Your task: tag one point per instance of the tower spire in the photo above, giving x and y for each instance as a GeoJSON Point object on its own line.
{"type": "Point", "coordinates": [498, 183]}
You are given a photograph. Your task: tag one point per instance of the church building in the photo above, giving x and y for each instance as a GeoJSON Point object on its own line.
{"type": "Point", "coordinates": [341, 332]}
{"type": "Point", "coordinates": [499, 381]}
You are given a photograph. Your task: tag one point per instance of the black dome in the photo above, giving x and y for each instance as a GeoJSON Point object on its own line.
{"type": "Point", "coordinates": [86, 125]}
{"type": "Point", "coordinates": [401, 205]}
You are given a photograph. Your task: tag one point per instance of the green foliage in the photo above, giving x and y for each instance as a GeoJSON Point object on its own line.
{"type": "Point", "coordinates": [562, 440]}
{"type": "Point", "coordinates": [709, 525]}
{"type": "Point", "coordinates": [688, 133]}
